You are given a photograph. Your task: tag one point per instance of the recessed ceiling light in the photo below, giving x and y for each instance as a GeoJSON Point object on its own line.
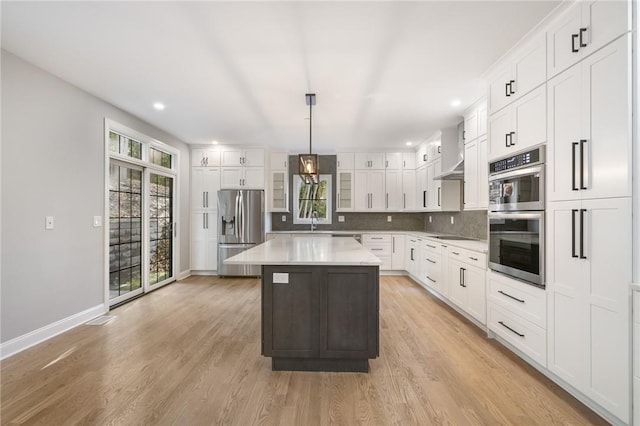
{"type": "Point", "coordinates": [456, 103]}
{"type": "Point", "coordinates": [408, 143]}
{"type": "Point", "coordinates": [214, 142]}
{"type": "Point", "coordinates": [159, 106]}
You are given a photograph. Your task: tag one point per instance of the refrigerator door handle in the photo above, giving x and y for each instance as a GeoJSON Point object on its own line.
{"type": "Point", "coordinates": [236, 231]}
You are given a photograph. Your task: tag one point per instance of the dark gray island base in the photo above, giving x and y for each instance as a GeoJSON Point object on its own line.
{"type": "Point", "coordinates": [320, 318]}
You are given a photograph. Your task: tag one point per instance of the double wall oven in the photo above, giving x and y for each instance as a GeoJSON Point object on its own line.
{"type": "Point", "coordinates": [516, 216]}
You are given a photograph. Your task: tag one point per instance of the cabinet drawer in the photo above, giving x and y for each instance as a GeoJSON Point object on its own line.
{"type": "Point", "coordinates": [526, 336]}
{"type": "Point", "coordinates": [524, 300]}
{"type": "Point", "coordinates": [376, 238]}
{"type": "Point", "coordinates": [379, 249]}
{"type": "Point", "coordinates": [469, 256]}
{"type": "Point", "coordinates": [433, 267]}
{"type": "Point", "coordinates": [432, 247]}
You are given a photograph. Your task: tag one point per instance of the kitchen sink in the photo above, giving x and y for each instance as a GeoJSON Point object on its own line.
{"type": "Point", "coordinates": [452, 237]}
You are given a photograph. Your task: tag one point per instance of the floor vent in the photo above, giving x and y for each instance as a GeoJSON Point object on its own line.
{"type": "Point", "coordinates": [100, 320]}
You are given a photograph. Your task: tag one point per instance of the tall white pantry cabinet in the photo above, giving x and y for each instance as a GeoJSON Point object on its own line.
{"type": "Point", "coordinates": [589, 211]}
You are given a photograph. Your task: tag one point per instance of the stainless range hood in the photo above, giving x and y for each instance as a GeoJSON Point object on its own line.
{"type": "Point", "coordinates": [454, 173]}
{"type": "Point", "coordinates": [452, 154]}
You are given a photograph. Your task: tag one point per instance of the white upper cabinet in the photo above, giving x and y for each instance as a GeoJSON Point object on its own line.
{"type": "Point", "coordinates": [521, 125]}
{"type": "Point", "coordinates": [422, 157]}
{"type": "Point", "coordinates": [205, 158]}
{"type": "Point", "coordinates": [205, 183]}
{"type": "Point", "coordinates": [369, 161]}
{"type": "Point", "coordinates": [583, 29]}
{"type": "Point", "coordinates": [408, 160]}
{"type": "Point", "coordinates": [243, 157]}
{"type": "Point", "coordinates": [520, 74]}
{"type": "Point", "coordinates": [279, 161]}
{"type": "Point", "coordinates": [393, 190]}
{"type": "Point", "coordinates": [345, 160]}
{"type": "Point", "coordinates": [393, 160]}
{"type": "Point", "coordinates": [482, 119]}
{"type": "Point", "coordinates": [470, 125]}
{"type": "Point", "coordinates": [589, 132]}
{"type": "Point", "coordinates": [369, 190]}
{"type": "Point", "coordinates": [409, 190]}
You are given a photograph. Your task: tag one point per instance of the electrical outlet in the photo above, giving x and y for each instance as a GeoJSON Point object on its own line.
{"type": "Point", "coordinates": [340, 218]}
{"type": "Point", "coordinates": [48, 222]}
{"type": "Point", "coordinates": [388, 218]}
{"type": "Point", "coordinates": [97, 221]}
{"type": "Point", "coordinates": [284, 217]}
{"type": "Point", "coordinates": [452, 220]}
{"type": "Point", "coordinates": [430, 219]}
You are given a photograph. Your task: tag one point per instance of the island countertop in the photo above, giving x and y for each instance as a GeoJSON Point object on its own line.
{"type": "Point", "coordinates": [306, 250]}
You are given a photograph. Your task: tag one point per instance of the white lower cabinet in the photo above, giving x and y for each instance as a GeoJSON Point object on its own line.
{"type": "Point", "coordinates": [433, 273]}
{"type": "Point", "coordinates": [380, 245]}
{"type": "Point", "coordinates": [397, 252]}
{"type": "Point", "coordinates": [588, 275]}
{"type": "Point", "coordinates": [466, 274]}
{"type": "Point", "coordinates": [204, 241]}
{"type": "Point", "coordinates": [412, 263]}
{"type": "Point", "coordinates": [517, 312]}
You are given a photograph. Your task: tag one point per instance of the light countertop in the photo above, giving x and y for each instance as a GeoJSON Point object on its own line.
{"type": "Point", "coordinates": [475, 245]}
{"type": "Point", "coordinates": [307, 250]}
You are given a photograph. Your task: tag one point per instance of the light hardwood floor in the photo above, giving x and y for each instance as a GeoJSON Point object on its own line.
{"type": "Point", "coordinates": [189, 354]}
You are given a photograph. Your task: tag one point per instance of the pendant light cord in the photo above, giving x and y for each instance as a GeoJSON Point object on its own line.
{"type": "Point", "coordinates": [310, 122]}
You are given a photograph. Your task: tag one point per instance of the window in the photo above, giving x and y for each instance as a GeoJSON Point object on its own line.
{"type": "Point", "coordinates": [159, 158]}
{"type": "Point", "coordinates": [310, 199]}
{"type": "Point", "coordinates": [125, 146]}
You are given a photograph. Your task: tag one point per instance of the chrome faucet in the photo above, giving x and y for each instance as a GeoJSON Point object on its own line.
{"type": "Point", "coordinates": [314, 215]}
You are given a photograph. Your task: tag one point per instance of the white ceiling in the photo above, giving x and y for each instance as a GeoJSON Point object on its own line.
{"type": "Point", "coordinates": [384, 72]}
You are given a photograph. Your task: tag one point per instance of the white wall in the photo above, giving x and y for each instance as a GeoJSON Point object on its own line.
{"type": "Point", "coordinates": [53, 165]}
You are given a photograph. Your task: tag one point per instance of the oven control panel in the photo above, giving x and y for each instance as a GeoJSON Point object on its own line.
{"type": "Point", "coordinates": [522, 159]}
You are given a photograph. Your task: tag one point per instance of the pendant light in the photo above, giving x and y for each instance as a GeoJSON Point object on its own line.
{"type": "Point", "coordinates": [308, 163]}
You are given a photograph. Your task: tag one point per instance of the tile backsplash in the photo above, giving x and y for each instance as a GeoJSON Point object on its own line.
{"type": "Point", "coordinates": [472, 224]}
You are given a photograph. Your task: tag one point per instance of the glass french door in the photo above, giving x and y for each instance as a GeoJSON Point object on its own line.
{"type": "Point", "coordinates": [161, 233]}
{"type": "Point", "coordinates": [125, 231]}
{"type": "Point", "coordinates": [141, 230]}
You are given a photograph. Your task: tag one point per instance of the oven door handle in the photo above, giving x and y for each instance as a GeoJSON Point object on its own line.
{"type": "Point", "coordinates": [516, 173]}
{"type": "Point", "coordinates": [516, 215]}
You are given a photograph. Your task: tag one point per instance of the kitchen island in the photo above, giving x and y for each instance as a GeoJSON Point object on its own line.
{"type": "Point", "coordinates": [320, 302]}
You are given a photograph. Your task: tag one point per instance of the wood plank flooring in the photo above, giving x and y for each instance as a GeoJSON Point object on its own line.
{"type": "Point", "coordinates": [189, 354]}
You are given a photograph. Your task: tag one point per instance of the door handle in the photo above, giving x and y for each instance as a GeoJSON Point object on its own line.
{"type": "Point", "coordinates": [573, 166]}
{"type": "Point", "coordinates": [573, 43]}
{"type": "Point", "coordinates": [511, 91]}
{"type": "Point", "coordinates": [204, 204]}
{"type": "Point", "coordinates": [438, 196]}
{"type": "Point", "coordinates": [507, 92]}
{"type": "Point", "coordinates": [582, 43]}
{"type": "Point", "coordinates": [411, 255]}
{"type": "Point", "coordinates": [511, 142]}
{"type": "Point", "coordinates": [582, 164]}
{"type": "Point", "coordinates": [386, 200]}
{"type": "Point", "coordinates": [424, 198]}
{"type": "Point", "coordinates": [204, 226]}
{"type": "Point", "coordinates": [207, 220]}
{"type": "Point", "coordinates": [506, 140]}
{"type": "Point", "coordinates": [404, 200]}
{"type": "Point", "coordinates": [582, 212]}
{"type": "Point", "coordinates": [207, 198]}
{"type": "Point", "coordinates": [573, 233]}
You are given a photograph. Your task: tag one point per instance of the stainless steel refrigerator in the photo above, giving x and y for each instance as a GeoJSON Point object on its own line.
{"type": "Point", "coordinates": [241, 226]}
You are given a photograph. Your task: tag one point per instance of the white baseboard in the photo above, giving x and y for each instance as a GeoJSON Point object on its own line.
{"type": "Point", "coordinates": [184, 274]}
{"type": "Point", "coordinates": [20, 343]}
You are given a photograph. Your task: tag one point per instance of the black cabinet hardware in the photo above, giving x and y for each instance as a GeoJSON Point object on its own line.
{"type": "Point", "coordinates": [438, 196]}
{"type": "Point", "coordinates": [506, 140]}
{"type": "Point", "coordinates": [573, 166]}
{"type": "Point", "coordinates": [376, 238]}
{"type": "Point", "coordinates": [473, 258]}
{"type": "Point", "coordinates": [412, 253]}
{"type": "Point", "coordinates": [430, 246]}
{"type": "Point", "coordinates": [507, 92]}
{"type": "Point", "coordinates": [573, 43]}
{"type": "Point", "coordinates": [510, 329]}
{"type": "Point", "coordinates": [582, 142]}
{"type": "Point", "coordinates": [429, 278]}
{"type": "Point", "coordinates": [424, 198]}
{"type": "Point", "coordinates": [511, 142]}
{"type": "Point", "coordinates": [582, 43]}
{"type": "Point", "coordinates": [431, 261]}
{"type": "Point", "coordinates": [424, 157]}
{"type": "Point", "coordinates": [511, 91]}
{"type": "Point", "coordinates": [582, 211]}
{"type": "Point", "coordinates": [464, 135]}
{"type": "Point", "coordinates": [510, 296]}
{"type": "Point", "coordinates": [573, 233]}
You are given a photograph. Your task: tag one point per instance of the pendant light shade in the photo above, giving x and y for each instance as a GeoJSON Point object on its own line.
{"type": "Point", "coordinates": [308, 163]}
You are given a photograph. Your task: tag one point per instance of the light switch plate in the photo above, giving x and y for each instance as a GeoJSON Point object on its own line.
{"type": "Point", "coordinates": [284, 218]}
{"type": "Point", "coordinates": [97, 221]}
{"type": "Point", "coordinates": [389, 219]}
{"type": "Point", "coordinates": [48, 222]}
{"type": "Point", "coordinates": [340, 218]}
{"type": "Point", "coordinates": [430, 219]}
{"type": "Point", "coordinates": [452, 220]}
{"type": "Point", "coordinates": [280, 278]}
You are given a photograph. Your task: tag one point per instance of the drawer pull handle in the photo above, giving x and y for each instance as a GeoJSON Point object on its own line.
{"type": "Point", "coordinates": [429, 278]}
{"type": "Point", "coordinates": [430, 246]}
{"type": "Point", "coordinates": [376, 238]}
{"type": "Point", "coordinates": [456, 253]}
{"type": "Point", "coordinates": [473, 258]}
{"type": "Point", "coordinates": [377, 249]}
{"type": "Point", "coordinates": [510, 296]}
{"type": "Point", "coordinates": [432, 261]}
{"type": "Point", "coordinates": [510, 329]}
